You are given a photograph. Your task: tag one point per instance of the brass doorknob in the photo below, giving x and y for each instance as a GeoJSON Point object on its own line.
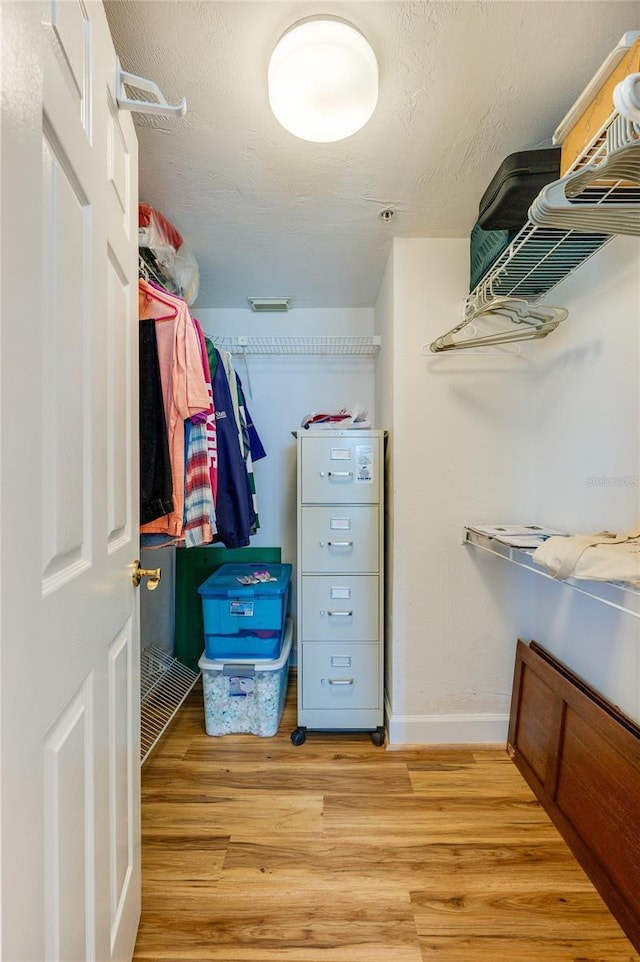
{"type": "Point", "coordinates": [138, 573]}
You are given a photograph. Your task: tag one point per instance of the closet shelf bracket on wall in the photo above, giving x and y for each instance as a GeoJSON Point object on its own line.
{"type": "Point", "coordinates": [157, 106]}
{"type": "Point", "coordinates": [325, 344]}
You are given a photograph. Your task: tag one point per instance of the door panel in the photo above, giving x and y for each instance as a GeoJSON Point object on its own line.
{"type": "Point", "coordinates": [67, 241]}
{"type": "Point", "coordinates": [69, 685]}
{"type": "Point", "coordinates": [118, 361]}
{"type": "Point", "coordinates": [69, 37]}
{"type": "Point", "coordinates": [69, 830]}
{"type": "Point", "coordinates": [123, 824]}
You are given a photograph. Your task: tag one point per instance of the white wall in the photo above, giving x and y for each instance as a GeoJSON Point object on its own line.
{"type": "Point", "coordinates": [461, 450]}
{"type": "Point", "coordinates": [588, 459]}
{"type": "Point", "coordinates": [551, 435]}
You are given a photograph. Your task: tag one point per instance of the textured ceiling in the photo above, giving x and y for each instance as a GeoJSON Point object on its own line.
{"type": "Point", "coordinates": [462, 84]}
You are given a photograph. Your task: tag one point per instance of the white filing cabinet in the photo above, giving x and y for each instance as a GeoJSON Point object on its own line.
{"type": "Point", "coordinates": [340, 582]}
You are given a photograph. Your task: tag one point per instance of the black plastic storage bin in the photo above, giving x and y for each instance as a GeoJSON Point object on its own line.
{"type": "Point", "coordinates": [518, 181]}
{"type": "Point", "coordinates": [485, 248]}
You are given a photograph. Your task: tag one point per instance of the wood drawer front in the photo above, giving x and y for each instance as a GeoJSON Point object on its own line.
{"type": "Point", "coordinates": [339, 676]}
{"type": "Point", "coordinates": [340, 538]}
{"type": "Point", "coordinates": [341, 470]}
{"type": "Point", "coordinates": [341, 608]}
{"type": "Point", "coordinates": [581, 757]}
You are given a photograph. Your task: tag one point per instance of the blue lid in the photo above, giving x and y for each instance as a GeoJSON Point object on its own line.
{"type": "Point", "coordinates": [229, 580]}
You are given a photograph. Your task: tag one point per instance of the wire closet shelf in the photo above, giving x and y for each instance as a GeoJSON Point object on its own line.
{"type": "Point", "coordinates": [541, 255]}
{"type": "Point", "coordinates": [327, 344]}
{"type": "Point", "coordinates": [164, 685]}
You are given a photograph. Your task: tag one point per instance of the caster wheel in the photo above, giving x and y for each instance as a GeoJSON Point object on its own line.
{"type": "Point", "coordinates": [298, 737]}
{"type": "Point", "coordinates": [377, 737]}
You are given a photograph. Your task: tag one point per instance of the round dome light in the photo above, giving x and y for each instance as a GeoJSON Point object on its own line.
{"type": "Point", "coordinates": [323, 80]}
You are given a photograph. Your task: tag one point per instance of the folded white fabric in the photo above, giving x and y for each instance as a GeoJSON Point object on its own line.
{"type": "Point", "coordinates": [598, 557]}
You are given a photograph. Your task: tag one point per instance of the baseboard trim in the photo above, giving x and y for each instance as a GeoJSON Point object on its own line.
{"type": "Point", "coordinates": [479, 729]}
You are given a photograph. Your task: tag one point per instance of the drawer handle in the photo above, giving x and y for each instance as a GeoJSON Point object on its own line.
{"type": "Point", "coordinates": [340, 544]}
{"type": "Point", "coordinates": [340, 474]}
{"type": "Point", "coordinates": [342, 681]}
{"type": "Point", "coordinates": [340, 614]}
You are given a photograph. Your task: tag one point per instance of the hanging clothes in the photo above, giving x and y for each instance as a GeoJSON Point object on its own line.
{"type": "Point", "coordinates": [235, 514]}
{"type": "Point", "coordinates": [255, 444]}
{"type": "Point", "coordinates": [199, 509]}
{"type": "Point", "coordinates": [184, 389]}
{"type": "Point", "coordinates": [156, 482]}
{"type": "Point", "coordinates": [199, 512]}
{"type": "Point", "coordinates": [243, 436]}
{"type": "Point", "coordinates": [210, 423]}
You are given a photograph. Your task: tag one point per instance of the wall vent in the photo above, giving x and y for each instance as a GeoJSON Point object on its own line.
{"type": "Point", "coordinates": [270, 304]}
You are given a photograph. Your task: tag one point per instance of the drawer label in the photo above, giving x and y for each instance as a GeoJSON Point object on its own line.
{"type": "Point", "coordinates": [364, 464]}
{"type": "Point", "coordinates": [340, 454]}
{"type": "Point", "coordinates": [240, 687]}
{"type": "Point", "coordinates": [340, 524]}
{"type": "Point", "coordinates": [338, 593]}
{"type": "Point", "coordinates": [244, 609]}
{"type": "Point", "coordinates": [340, 661]}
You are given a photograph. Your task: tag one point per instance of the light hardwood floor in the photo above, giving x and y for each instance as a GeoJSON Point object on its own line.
{"type": "Point", "coordinates": [338, 851]}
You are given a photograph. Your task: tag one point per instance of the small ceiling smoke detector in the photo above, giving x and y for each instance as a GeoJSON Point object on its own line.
{"type": "Point", "coordinates": [270, 304]}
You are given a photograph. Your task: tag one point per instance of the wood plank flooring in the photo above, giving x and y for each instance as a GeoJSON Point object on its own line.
{"type": "Point", "coordinates": [338, 851]}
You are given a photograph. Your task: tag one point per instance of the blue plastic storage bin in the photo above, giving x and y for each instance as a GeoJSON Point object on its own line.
{"type": "Point", "coordinates": [244, 621]}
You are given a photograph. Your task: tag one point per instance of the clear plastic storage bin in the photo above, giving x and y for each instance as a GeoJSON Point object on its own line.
{"type": "Point", "coordinates": [246, 696]}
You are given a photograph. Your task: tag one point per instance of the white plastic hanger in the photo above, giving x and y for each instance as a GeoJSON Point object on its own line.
{"type": "Point", "coordinates": [563, 204]}
{"type": "Point", "coordinates": [527, 322]}
{"type": "Point", "coordinates": [626, 97]}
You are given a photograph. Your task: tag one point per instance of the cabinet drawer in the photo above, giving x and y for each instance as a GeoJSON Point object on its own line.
{"type": "Point", "coordinates": [339, 676]}
{"type": "Point", "coordinates": [341, 608]}
{"type": "Point", "coordinates": [340, 538]}
{"type": "Point", "coordinates": [341, 470]}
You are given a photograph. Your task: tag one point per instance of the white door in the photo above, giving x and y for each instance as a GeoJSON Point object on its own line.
{"type": "Point", "coordinates": [70, 798]}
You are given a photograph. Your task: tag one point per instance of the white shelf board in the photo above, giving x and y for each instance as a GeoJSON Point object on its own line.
{"type": "Point", "coordinates": [617, 595]}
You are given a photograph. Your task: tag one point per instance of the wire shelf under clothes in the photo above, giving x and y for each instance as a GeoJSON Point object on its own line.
{"type": "Point", "coordinates": [164, 685]}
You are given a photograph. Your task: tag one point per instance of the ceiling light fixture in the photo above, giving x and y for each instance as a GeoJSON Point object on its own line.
{"type": "Point", "coordinates": [323, 80]}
